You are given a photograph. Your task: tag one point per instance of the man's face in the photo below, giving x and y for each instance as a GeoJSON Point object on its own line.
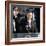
{"type": "Point", "coordinates": [16, 11]}
{"type": "Point", "coordinates": [29, 16]}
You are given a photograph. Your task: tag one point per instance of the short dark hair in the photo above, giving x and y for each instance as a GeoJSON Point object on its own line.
{"type": "Point", "coordinates": [19, 9]}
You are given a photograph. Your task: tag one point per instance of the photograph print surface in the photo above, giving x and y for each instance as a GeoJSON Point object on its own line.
{"type": "Point", "coordinates": [25, 21]}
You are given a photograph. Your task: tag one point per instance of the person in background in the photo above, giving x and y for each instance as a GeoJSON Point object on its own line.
{"type": "Point", "coordinates": [31, 24]}
{"type": "Point", "coordinates": [29, 21]}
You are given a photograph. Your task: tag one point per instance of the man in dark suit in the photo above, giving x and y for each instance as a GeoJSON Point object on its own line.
{"type": "Point", "coordinates": [19, 21]}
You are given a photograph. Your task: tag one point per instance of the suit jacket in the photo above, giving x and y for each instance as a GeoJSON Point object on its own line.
{"type": "Point", "coordinates": [20, 22]}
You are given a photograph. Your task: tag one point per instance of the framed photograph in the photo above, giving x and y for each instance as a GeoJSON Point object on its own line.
{"type": "Point", "coordinates": [24, 22]}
